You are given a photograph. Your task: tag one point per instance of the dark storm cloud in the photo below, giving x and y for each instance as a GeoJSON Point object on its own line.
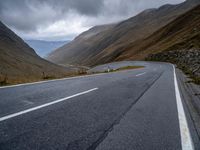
{"type": "Point", "coordinates": [28, 15]}
{"type": "Point", "coordinates": [54, 18]}
{"type": "Point", "coordinates": [85, 7]}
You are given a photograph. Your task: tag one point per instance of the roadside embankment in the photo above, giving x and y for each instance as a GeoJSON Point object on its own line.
{"type": "Point", "coordinates": [186, 60]}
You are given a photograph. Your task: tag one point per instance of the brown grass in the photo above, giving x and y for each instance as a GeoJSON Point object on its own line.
{"type": "Point", "coordinates": [129, 68]}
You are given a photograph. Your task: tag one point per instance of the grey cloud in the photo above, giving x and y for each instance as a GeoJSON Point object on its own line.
{"type": "Point", "coordinates": [84, 7]}
{"type": "Point", "coordinates": [29, 16]}
{"type": "Point", "coordinates": [117, 10]}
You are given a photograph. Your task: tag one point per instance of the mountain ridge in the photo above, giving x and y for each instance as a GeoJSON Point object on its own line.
{"type": "Point", "coordinates": [109, 44]}
{"type": "Point", "coordinates": [20, 63]}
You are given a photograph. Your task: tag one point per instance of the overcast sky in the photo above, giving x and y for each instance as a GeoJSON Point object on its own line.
{"type": "Point", "coordinates": [64, 19]}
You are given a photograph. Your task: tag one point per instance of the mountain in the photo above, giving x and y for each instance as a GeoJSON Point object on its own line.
{"type": "Point", "coordinates": [112, 41]}
{"type": "Point", "coordinates": [79, 48]}
{"type": "Point", "coordinates": [177, 42]}
{"type": "Point", "coordinates": [19, 63]}
{"type": "Point", "coordinates": [182, 33]}
{"type": "Point", "coordinates": [43, 48]}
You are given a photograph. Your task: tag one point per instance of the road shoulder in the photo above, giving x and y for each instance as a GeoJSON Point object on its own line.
{"type": "Point", "coordinates": [190, 93]}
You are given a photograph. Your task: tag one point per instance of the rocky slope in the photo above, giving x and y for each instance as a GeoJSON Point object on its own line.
{"type": "Point", "coordinates": [187, 59]}
{"type": "Point", "coordinates": [117, 42]}
{"type": "Point", "coordinates": [179, 43]}
{"type": "Point", "coordinates": [19, 63]}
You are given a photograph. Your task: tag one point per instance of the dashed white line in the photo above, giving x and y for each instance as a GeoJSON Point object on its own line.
{"type": "Point", "coordinates": [44, 105]}
{"type": "Point", "coordinates": [140, 74]}
{"type": "Point", "coordinates": [186, 140]}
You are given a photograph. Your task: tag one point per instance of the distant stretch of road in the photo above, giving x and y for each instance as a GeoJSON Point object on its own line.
{"type": "Point", "coordinates": [138, 109]}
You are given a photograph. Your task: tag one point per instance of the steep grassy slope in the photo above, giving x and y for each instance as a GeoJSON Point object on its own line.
{"type": "Point", "coordinates": [114, 42]}
{"type": "Point", "coordinates": [19, 63]}
{"type": "Point", "coordinates": [80, 48]}
{"type": "Point", "coordinates": [182, 33]}
{"type": "Point", "coordinates": [178, 42]}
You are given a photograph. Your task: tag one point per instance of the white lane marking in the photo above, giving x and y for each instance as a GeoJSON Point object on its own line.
{"type": "Point", "coordinates": [68, 78]}
{"type": "Point", "coordinates": [32, 83]}
{"type": "Point", "coordinates": [140, 74]}
{"type": "Point", "coordinates": [44, 105]}
{"type": "Point", "coordinates": [186, 140]}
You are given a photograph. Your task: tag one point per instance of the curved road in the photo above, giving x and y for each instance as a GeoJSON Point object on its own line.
{"type": "Point", "coordinates": [138, 109]}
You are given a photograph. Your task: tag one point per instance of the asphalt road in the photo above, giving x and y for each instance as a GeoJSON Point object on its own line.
{"type": "Point", "coordinates": [137, 109]}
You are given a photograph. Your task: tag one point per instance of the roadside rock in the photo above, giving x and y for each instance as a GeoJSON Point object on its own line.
{"type": "Point", "coordinates": [187, 60]}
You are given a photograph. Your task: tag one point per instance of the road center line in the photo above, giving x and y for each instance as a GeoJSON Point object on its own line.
{"type": "Point", "coordinates": [186, 140]}
{"type": "Point", "coordinates": [44, 105]}
{"type": "Point", "coordinates": [140, 74]}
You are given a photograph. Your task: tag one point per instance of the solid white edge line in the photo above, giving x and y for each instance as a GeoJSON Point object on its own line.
{"type": "Point", "coordinates": [186, 140]}
{"type": "Point", "coordinates": [32, 83]}
{"type": "Point", "coordinates": [140, 74]}
{"type": "Point", "coordinates": [38, 82]}
{"type": "Point", "coordinates": [44, 105]}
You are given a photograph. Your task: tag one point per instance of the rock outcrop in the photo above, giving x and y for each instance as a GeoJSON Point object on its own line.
{"type": "Point", "coordinates": [186, 59]}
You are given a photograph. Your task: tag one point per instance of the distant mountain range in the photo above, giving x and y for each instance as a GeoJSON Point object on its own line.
{"type": "Point", "coordinates": [19, 63]}
{"type": "Point", "coordinates": [169, 33]}
{"type": "Point", "coordinates": [43, 48]}
{"type": "Point", "coordinates": [132, 39]}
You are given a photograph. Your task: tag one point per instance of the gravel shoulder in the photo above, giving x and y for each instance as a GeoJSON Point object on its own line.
{"type": "Point", "coordinates": [191, 95]}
